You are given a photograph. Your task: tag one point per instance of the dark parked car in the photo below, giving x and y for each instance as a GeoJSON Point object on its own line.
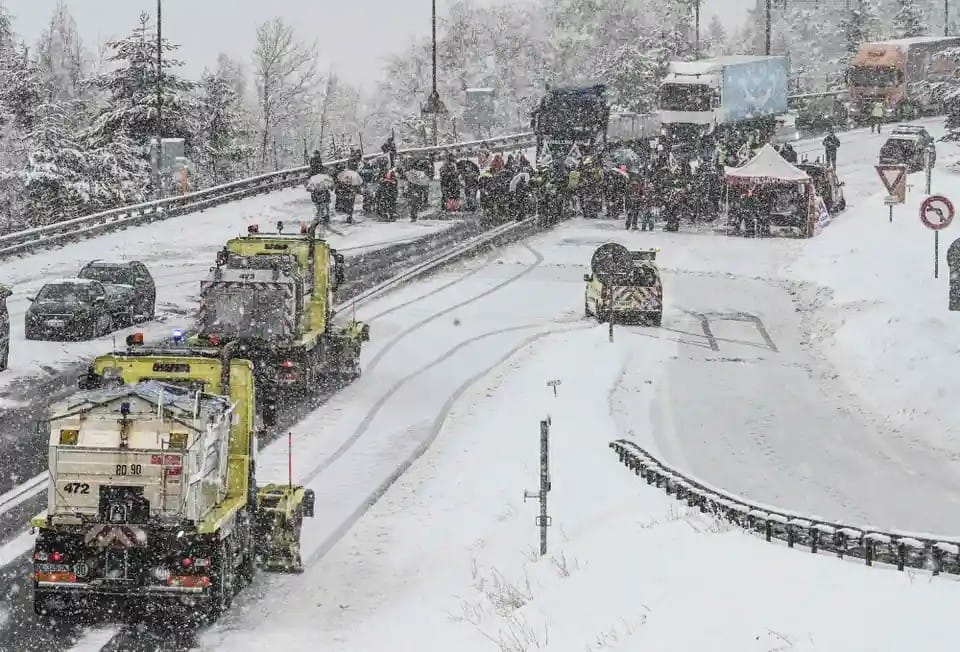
{"type": "Point", "coordinates": [78, 308]}
{"type": "Point", "coordinates": [907, 145]}
{"type": "Point", "coordinates": [818, 113]}
{"type": "Point", "coordinates": [827, 183]}
{"type": "Point", "coordinates": [132, 273]}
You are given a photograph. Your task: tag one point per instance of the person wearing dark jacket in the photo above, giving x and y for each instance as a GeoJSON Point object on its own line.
{"type": "Point", "coordinates": [390, 149]}
{"type": "Point", "coordinates": [316, 163]}
{"type": "Point", "coordinates": [789, 154]}
{"type": "Point", "coordinates": [831, 143]}
{"type": "Point", "coordinates": [449, 182]}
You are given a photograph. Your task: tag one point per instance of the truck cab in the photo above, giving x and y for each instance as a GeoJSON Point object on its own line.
{"type": "Point", "coordinates": [624, 286]}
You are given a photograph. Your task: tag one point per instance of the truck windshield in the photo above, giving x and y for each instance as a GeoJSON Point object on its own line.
{"type": "Point", "coordinates": [685, 97]}
{"type": "Point", "coordinates": [571, 114]}
{"type": "Point", "coordinates": [245, 313]}
{"type": "Point", "coordinates": [880, 76]}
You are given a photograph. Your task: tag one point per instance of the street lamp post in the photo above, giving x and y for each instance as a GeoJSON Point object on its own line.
{"type": "Point", "coordinates": [159, 180]}
{"type": "Point", "coordinates": [434, 105]}
{"type": "Point", "coordinates": [696, 29]}
{"type": "Point", "coordinates": [767, 32]}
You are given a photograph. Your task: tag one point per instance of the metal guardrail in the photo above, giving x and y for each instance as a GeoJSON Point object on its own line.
{"type": "Point", "coordinates": [96, 224]}
{"type": "Point", "coordinates": [115, 219]}
{"type": "Point", "coordinates": [900, 549]}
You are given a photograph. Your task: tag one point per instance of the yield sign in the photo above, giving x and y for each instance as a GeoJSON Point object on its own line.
{"type": "Point", "coordinates": [892, 176]}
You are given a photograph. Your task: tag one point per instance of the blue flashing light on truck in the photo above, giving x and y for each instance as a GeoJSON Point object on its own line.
{"type": "Point", "coordinates": [722, 97]}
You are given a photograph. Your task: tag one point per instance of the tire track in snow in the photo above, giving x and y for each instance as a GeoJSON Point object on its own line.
{"type": "Point", "coordinates": [127, 633]}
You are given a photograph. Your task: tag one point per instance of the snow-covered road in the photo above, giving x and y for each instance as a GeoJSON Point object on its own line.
{"type": "Point", "coordinates": [745, 404]}
{"type": "Point", "coordinates": [750, 403]}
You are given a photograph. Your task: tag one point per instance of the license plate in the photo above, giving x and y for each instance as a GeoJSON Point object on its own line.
{"type": "Point", "coordinates": [56, 323]}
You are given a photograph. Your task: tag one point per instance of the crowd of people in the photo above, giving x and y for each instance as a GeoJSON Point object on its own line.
{"type": "Point", "coordinates": [636, 182]}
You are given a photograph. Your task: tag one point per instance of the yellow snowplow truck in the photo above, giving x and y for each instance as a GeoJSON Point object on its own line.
{"type": "Point", "coordinates": [152, 492]}
{"type": "Point", "coordinates": [624, 286]}
{"type": "Point", "coordinates": [273, 295]}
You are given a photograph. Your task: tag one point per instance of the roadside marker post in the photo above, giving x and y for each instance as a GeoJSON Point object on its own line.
{"type": "Point", "coordinates": [894, 179]}
{"type": "Point", "coordinates": [543, 521]}
{"type": "Point", "coordinates": [936, 213]}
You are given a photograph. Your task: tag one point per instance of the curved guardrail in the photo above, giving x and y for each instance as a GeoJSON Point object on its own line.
{"type": "Point", "coordinates": [901, 549]}
{"type": "Point", "coordinates": [115, 219]}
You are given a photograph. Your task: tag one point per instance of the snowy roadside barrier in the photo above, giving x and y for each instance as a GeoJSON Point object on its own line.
{"type": "Point", "coordinates": [901, 549]}
{"type": "Point", "coordinates": [117, 219]}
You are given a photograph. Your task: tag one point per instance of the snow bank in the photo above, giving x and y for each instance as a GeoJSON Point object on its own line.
{"type": "Point", "coordinates": [447, 559]}
{"type": "Point", "coordinates": [882, 317]}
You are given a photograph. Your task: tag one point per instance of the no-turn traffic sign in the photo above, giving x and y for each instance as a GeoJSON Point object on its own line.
{"type": "Point", "coordinates": [936, 212]}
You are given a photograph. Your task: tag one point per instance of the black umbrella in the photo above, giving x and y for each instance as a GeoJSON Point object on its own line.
{"type": "Point", "coordinates": [468, 167]}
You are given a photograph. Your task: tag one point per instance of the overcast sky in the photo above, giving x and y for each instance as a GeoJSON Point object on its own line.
{"type": "Point", "coordinates": [354, 35]}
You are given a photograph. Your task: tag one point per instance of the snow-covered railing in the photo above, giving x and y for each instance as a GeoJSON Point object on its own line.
{"type": "Point", "coordinates": [115, 219]}
{"type": "Point", "coordinates": [901, 549]}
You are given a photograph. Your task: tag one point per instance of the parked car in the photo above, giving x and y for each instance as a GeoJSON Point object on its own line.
{"type": "Point", "coordinates": [134, 274]}
{"type": "Point", "coordinates": [907, 145]}
{"type": "Point", "coordinates": [78, 308]}
{"type": "Point", "coordinates": [4, 327]}
{"type": "Point", "coordinates": [828, 185]}
{"type": "Point", "coordinates": [819, 113]}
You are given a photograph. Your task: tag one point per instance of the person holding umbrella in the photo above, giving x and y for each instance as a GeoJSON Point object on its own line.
{"type": "Point", "coordinates": [348, 181]}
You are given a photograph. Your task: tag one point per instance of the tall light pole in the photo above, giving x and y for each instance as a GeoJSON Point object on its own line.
{"type": "Point", "coordinates": [696, 29]}
{"type": "Point", "coordinates": [767, 32]}
{"type": "Point", "coordinates": [159, 185]}
{"type": "Point", "coordinates": [434, 106]}
{"type": "Point", "coordinates": [946, 17]}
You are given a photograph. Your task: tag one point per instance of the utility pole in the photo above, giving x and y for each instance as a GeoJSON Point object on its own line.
{"type": "Point", "coordinates": [543, 521]}
{"type": "Point", "coordinates": [696, 46]}
{"type": "Point", "coordinates": [159, 185]}
{"type": "Point", "coordinates": [434, 106]}
{"type": "Point", "coordinates": [767, 31]}
{"type": "Point", "coordinates": [946, 17]}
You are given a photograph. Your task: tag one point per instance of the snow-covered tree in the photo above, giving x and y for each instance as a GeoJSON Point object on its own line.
{"type": "Point", "coordinates": [286, 75]}
{"type": "Point", "coordinates": [61, 55]}
{"type": "Point", "coordinates": [859, 25]}
{"type": "Point", "coordinates": [632, 74]}
{"type": "Point", "coordinates": [131, 90]}
{"type": "Point", "coordinates": [909, 20]}
{"type": "Point", "coordinates": [716, 41]}
{"type": "Point", "coordinates": [219, 150]}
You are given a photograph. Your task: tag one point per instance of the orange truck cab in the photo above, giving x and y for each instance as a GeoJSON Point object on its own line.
{"type": "Point", "coordinates": [886, 72]}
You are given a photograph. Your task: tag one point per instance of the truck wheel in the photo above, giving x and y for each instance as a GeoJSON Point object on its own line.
{"type": "Point", "coordinates": [656, 319]}
{"type": "Point", "coordinates": [586, 307]}
{"type": "Point", "coordinates": [221, 583]}
{"type": "Point", "coordinates": [41, 606]}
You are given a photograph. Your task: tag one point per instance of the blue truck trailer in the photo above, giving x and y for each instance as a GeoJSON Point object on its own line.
{"type": "Point", "coordinates": [725, 98]}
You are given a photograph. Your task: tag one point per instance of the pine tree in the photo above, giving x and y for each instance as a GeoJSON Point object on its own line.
{"type": "Point", "coordinates": [859, 25]}
{"type": "Point", "coordinates": [131, 90]}
{"type": "Point", "coordinates": [909, 20]}
{"type": "Point", "coordinates": [61, 55]}
{"type": "Point", "coordinates": [716, 37]}
{"type": "Point", "coordinates": [218, 133]}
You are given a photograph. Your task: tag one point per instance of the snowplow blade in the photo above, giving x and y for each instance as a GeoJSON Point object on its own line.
{"type": "Point", "coordinates": [279, 517]}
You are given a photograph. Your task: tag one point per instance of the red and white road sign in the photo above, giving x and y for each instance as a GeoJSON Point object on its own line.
{"type": "Point", "coordinates": [936, 212]}
{"type": "Point", "coordinates": [892, 176]}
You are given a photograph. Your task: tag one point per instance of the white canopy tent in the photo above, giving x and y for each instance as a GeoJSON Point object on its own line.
{"type": "Point", "coordinates": [767, 167]}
